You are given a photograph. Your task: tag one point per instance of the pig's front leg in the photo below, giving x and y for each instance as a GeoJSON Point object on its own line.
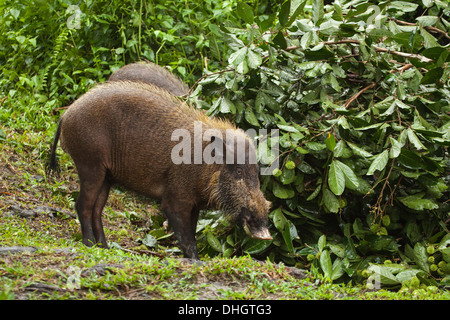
{"type": "Point", "coordinates": [182, 216]}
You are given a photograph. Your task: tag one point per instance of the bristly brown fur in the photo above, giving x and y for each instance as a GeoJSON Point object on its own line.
{"type": "Point", "coordinates": [121, 132]}
{"type": "Point", "coordinates": [184, 107]}
{"type": "Point", "coordinates": [152, 73]}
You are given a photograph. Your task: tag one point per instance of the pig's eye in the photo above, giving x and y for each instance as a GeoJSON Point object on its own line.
{"type": "Point", "coordinates": [239, 171]}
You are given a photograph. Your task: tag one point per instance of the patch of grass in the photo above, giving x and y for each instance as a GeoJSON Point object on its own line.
{"type": "Point", "coordinates": [63, 268]}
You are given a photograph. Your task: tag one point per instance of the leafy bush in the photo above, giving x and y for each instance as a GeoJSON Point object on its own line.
{"type": "Point", "coordinates": [358, 90]}
{"type": "Point", "coordinates": [362, 113]}
{"type": "Point", "coordinates": [51, 52]}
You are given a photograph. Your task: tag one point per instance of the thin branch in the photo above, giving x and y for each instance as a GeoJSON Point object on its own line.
{"type": "Point", "coordinates": [377, 49]}
{"type": "Point", "coordinates": [403, 54]}
{"type": "Point", "coordinates": [206, 76]}
{"type": "Point", "coordinates": [402, 69]}
{"type": "Point", "coordinates": [431, 29]}
{"type": "Point", "coordinates": [355, 96]}
{"type": "Point", "coordinates": [377, 209]}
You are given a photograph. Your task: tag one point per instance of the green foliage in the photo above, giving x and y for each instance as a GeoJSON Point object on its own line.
{"type": "Point", "coordinates": [362, 112]}
{"type": "Point", "coordinates": [48, 59]}
{"type": "Point", "coordinates": [358, 90]}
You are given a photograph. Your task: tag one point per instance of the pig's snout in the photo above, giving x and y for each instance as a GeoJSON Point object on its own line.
{"type": "Point", "coordinates": [255, 227]}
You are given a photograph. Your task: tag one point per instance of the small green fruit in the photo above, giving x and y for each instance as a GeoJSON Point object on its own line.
{"type": "Point", "coordinates": [369, 286]}
{"type": "Point", "coordinates": [365, 274]}
{"type": "Point", "coordinates": [414, 282]}
{"type": "Point", "coordinates": [419, 292]}
{"type": "Point", "coordinates": [386, 262]}
{"type": "Point", "coordinates": [432, 289]}
{"type": "Point", "coordinates": [430, 250]}
{"type": "Point", "coordinates": [386, 220]}
{"type": "Point", "coordinates": [290, 165]}
{"type": "Point", "coordinates": [433, 267]}
{"type": "Point", "coordinates": [431, 259]}
{"type": "Point", "coordinates": [277, 172]}
{"type": "Point", "coordinates": [310, 257]}
{"type": "Point", "coordinates": [442, 264]}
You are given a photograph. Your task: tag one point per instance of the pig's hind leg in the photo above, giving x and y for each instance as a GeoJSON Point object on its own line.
{"type": "Point", "coordinates": [99, 234]}
{"type": "Point", "coordinates": [92, 192]}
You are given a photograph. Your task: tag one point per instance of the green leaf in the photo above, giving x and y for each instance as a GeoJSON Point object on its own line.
{"type": "Point", "coordinates": [279, 40]}
{"type": "Point", "coordinates": [288, 176]}
{"type": "Point", "coordinates": [321, 243]}
{"type": "Point", "coordinates": [410, 159]}
{"type": "Point", "coordinates": [382, 275]}
{"type": "Point", "coordinates": [283, 15]}
{"type": "Point", "coordinates": [421, 257]}
{"type": "Point", "coordinates": [213, 242]}
{"type": "Point", "coordinates": [315, 146]}
{"type": "Point", "coordinates": [287, 128]}
{"type": "Point", "coordinates": [351, 180]}
{"type": "Point", "coordinates": [306, 40]}
{"type": "Point", "coordinates": [432, 76]}
{"type": "Point", "coordinates": [369, 127]}
{"type": "Point", "coordinates": [429, 40]}
{"type": "Point", "coordinates": [250, 117]}
{"type": "Point", "coordinates": [337, 13]}
{"type": "Point", "coordinates": [279, 220]}
{"type": "Point", "coordinates": [150, 241]}
{"type": "Point", "coordinates": [296, 12]}
{"type": "Point", "coordinates": [341, 150]}
{"type": "Point", "coordinates": [416, 202]}
{"type": "Point", "coordinates": [256, 246]}
{"type": "Point", "coordinates": [337, 270]}
{"type": "Point", "coordinates": [330, 142]}
{"type": "Point", "coordinates": [245, 12]}
{"type": "Point", "coordinates": [390, 110]}
{"type": "Point", "coordinates": [254, 60]}
{"type": "Point", "coordinates": [359, 151]}
{"type": "Point", "coordinates": [317, 11]}
{"type": "Point", "coordinates": [403, 6]}
{"type": "Point", "coordinates": [325, 264]}
{"type": "Point", "coordinates": [427, 21]}
{"type": "Point", "coordinates": [384, 104]}
{"type": "Point", "coordinates": [396, 148]}
{"type": "Point", "coordinates": [15, 13]}
{"type": "Point", "coordinates": [242, 67]}
{"type": "Point", "coordinates": [227, 106]}
{"type": "Point", "coordinates": [330, 201]}
{"type": "Point", "coordinates": [379, 162]}
{"type": "Point", "coordinates": [289, 233]}
{"type": "Point", "coordinates": [315, 193]}
{"type": "Point", "coordinates": [414, 139]}
{"type": "Point", "coordinates": [282, 192]}
{"type": "Point", "coordinates": [336, 178]}
{"type": "Point", "coordinates": [238, 57]}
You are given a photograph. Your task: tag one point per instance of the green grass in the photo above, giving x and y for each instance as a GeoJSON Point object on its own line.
{"type": "Point", "coordinates": [63, 268]}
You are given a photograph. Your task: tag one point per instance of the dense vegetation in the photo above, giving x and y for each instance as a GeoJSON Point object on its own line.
{"type": "Point", "coordinates": [358, 90]}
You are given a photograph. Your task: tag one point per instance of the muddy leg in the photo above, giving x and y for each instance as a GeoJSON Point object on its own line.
{"type": "Point", "coordinates": [181, 220]}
